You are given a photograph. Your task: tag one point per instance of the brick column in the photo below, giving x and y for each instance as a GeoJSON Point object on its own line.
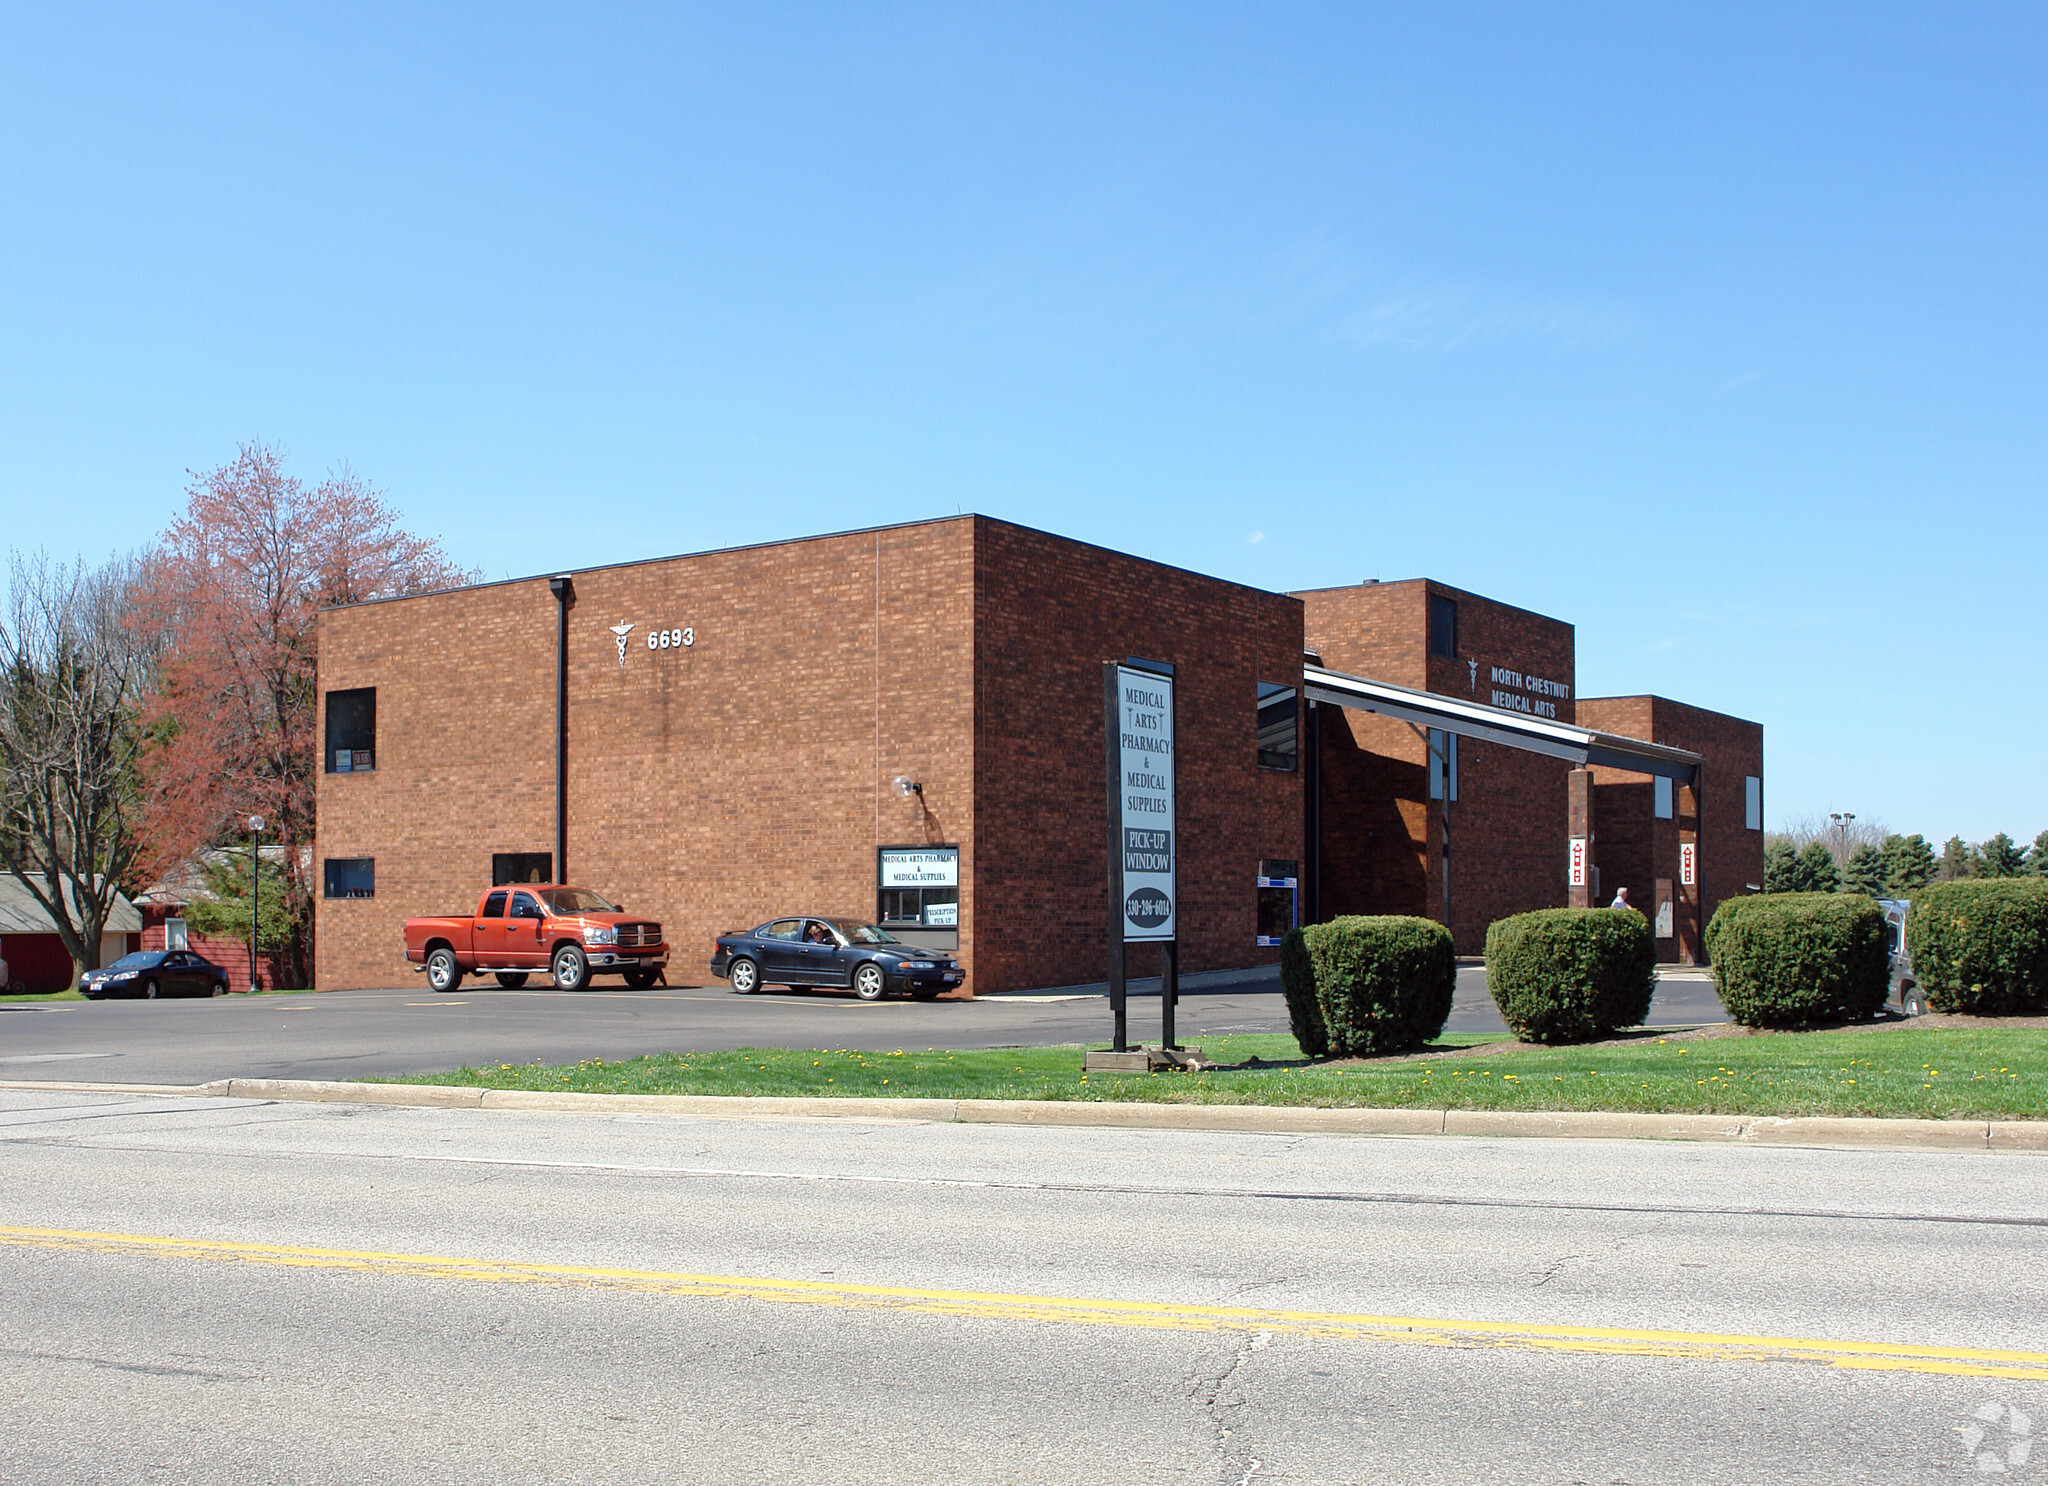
{"type": "Point", "coordinates": [1579, 827]}
{"type": "Point", "coordinates": [1687, 901]}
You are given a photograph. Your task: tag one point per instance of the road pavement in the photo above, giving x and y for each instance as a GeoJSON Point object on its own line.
{"type": "Point", "coordinates": [359, 1034]}
{"type": "Point", "coordinates": [234, 1291]}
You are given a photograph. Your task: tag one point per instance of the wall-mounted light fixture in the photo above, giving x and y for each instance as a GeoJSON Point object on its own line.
{"type": "Point", "coordinates": [905, 787]}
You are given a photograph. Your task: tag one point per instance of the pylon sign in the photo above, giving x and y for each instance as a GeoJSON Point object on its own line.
{"type": "Point", "coordinates": [1145, 804]}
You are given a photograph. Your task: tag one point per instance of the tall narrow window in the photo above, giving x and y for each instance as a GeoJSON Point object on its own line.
{"type": "Point", "coordinates": [1443, 625]}
{"type": "Point", "coordinates": [1752, 803]}
{"type": "Point", "coordinates": [1443, 761]}
{"type": "Point", "coordinates": [1663, 800]}
{"type": "Point", "coordinates": [352, 730]}
{"type": "Point", "coordinates": [1279, 726]}
{"type": "Point", "coordinates": [1277, 905]}
{"type": "Point", "coordinates": [351, 877]}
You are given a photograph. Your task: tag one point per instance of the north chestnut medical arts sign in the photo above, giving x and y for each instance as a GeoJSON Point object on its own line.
{"type": "Point", "coordinates": [1145, 804]}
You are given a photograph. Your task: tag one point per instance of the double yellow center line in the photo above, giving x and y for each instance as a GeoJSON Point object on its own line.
{"type": "Point", "coordinates": [1069, 1310]}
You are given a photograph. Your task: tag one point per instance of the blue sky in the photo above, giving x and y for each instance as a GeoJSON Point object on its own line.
{"type": "Point", "coordinates": [1716, 331]}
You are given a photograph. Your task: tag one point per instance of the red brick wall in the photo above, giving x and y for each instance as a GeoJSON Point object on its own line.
{"type": "Point", "coordinates": [1382, 835]}
{"type": "Point", "coordinates": [750, 774]}
{"type": "Point", "coordinates": [1049, 613]}
{"type": "Point", "coordinates": [711, 786]}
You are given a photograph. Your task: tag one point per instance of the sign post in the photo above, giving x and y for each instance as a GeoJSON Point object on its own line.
{"type": "Point", "coordinates": [1138, 724]}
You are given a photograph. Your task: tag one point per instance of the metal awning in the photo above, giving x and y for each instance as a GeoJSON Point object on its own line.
{"type": "Point", "coordinates": [1581, 746]}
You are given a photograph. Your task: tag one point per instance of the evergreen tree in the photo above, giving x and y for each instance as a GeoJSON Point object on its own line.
{"type": "Point", "coordinates": [1781, 867]}
{"type": "Point", "coordinates": [222, 909]}
{"type": "Point", "coordinates": [2037, 859]}
{"type": "Point", "coordinates": [1907, 865]}
{"type": "Point", "coordinates": [1865, 872]}
{"type": "Point", "coordinates": [1958, 860]}
{"type": "Point", "coordinates": [2000, 857]}
{"type": "Point", "coordinates": [1816, 871]}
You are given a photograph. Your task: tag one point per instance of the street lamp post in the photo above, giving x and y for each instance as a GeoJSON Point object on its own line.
{"type": "Point", "coordinates": [1843, 820]}
{"type": "Point", "coordinates": [255, 890]}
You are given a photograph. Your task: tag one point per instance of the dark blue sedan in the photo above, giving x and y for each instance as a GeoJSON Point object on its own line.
{"type": "Point", "coordinates": [842, 952]}
{"type": "Point", "coordinates": [154, 973]}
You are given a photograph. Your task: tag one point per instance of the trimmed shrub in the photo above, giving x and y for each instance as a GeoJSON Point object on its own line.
{"type": "Point", "coordinates": [1982, 947]}
{"type": "Point", "coordinates": [1298, 984]}
{"type": "Point", "coordinates": [1381, 983]}
{"type": "Point", "coordinates": [1797, 959]}
{"type": "Point", "coordinates": [1571, 974]}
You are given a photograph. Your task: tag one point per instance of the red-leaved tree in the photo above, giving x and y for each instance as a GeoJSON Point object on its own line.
{"type": "Point", "coordinates": [234, 586]}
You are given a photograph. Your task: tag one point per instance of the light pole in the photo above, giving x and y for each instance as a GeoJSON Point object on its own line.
{"type": "Point", "coordinates": [255, 890]}
{"type": "Point", "coordinates": [1843, 820]}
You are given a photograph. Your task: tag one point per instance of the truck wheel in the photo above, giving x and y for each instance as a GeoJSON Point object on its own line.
{"type": "Point", "coordinates": [640, 980]}
{"type": "Point", "coordinates": [511, 980]}
{"type": "Point", "coordinates": [571, 968]}
{"type": "Point", "coordinates": [868, 982]}
{"type": "Point", "coordinates": [443, 973]}
{"type": "Point", "coordinates": [745, 976]}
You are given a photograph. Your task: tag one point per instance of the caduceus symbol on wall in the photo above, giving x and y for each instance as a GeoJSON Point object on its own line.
{"type": "Point", "coordinates": [619, 633]}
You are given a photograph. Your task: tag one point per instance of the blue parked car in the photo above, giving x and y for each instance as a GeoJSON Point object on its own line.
{"type": "Point", "coordinates": [153, 973]}
{"type": "Point", "coordinates": [818, 951]}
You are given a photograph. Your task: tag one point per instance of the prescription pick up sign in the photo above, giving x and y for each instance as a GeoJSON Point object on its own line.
{"type": "Point", "coordinates": [1145, 804]}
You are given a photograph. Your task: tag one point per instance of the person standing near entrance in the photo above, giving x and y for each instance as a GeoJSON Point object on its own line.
{"type": "Point", "coordinates": [1621, 899]}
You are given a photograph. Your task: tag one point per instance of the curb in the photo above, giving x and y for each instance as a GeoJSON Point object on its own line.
{"type": "Point", "coordinates": [1251, 1119]}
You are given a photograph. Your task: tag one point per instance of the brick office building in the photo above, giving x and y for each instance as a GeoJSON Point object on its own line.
{"type": "Point", "coordinates": [1382, 810]}
{"type": "Point", "coordinates": [738, 723]}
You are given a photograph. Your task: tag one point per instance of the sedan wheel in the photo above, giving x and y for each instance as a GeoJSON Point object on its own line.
{"type": "Point", "coordinates": [220, 988]}
{"type": "Point", "coordinates": [443, 972]}
{"type": "Point", "coordinates": [149, 990]}
{"type": "Point", "coordinates": [572, 969]}
{"type": "Point", "coordinates": [745, 976]}
{"type": "Point", "coordinates": [868, 982]}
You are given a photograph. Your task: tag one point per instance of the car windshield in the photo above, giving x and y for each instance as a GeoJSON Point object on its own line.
{"type": "Point", "coordinates": [856, 932]}
{"type": "Point", "coordinates": [575, 900]}
{"type": "Point", "coordinates": [136, 962]}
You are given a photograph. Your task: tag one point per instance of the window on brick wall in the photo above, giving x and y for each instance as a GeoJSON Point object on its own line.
{"type": "Point", "coordinates": [1279, 726]}
{"type": "Point", "coordinates": [1752, 803]}
{"type": "Point", "coordinates": [1662, 785]}
{"type": "Point", "coordinates": [1443, 625]}
{"type": "Point", "coordinates": [521, 866]}
{"type": "Point", "coordinates": [352, 730]}
{"type": "Point", "coordinates": [351, 877]}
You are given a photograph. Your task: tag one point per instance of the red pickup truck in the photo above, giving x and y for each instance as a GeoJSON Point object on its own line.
{"type": "Point", "coordinates": [566, 933]}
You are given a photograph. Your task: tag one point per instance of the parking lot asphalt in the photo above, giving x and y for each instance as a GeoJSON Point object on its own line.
{"type": "Point", "coordinates": [410, 1030]}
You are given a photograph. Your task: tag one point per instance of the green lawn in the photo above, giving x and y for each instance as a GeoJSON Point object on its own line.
{"type": "Point", "coordinates": [1905, 1071]}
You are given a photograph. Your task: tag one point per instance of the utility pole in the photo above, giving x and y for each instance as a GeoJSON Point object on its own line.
{"type": "Point", "coordinates": [255, 890]}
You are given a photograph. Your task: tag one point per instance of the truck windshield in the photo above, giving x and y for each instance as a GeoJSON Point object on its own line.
{"type": "Point", "coordinates": [575, 900]}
